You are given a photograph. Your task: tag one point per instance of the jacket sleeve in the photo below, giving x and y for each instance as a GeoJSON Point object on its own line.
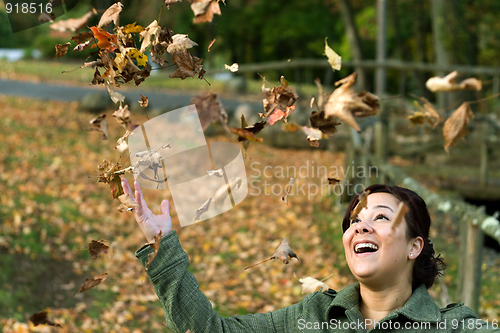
{"type": "Point", "coordinates": [460, 318]}
{"type": "Point", "coordinates": [187, 308]}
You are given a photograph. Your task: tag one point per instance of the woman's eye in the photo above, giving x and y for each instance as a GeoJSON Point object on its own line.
{"type": "Point", "coordinates": [381, 217]}
{"type": "Point", "coordinates": [355, 220]}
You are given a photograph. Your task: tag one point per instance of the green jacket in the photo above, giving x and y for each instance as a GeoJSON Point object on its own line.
{"type": "Point", "coordinates": [186, 307]}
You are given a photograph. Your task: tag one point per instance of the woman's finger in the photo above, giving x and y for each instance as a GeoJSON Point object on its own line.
{"type": "Point", "coordinates": [165, 207]}
{"type": "Point", "coordinates": [139, 199]}
{"type": "Point", "coordinates": [126, 187]}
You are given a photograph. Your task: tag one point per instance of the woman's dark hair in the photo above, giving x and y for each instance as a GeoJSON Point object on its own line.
{"type": "Point", "coordinates": [427, 265]}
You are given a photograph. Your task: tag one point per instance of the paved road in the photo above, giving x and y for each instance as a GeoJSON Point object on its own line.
{"type": "Point", "coordinates": [157, 99]}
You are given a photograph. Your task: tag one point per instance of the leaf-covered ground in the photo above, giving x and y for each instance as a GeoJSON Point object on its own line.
{"type": "Point", "coordinates": [51, 207]}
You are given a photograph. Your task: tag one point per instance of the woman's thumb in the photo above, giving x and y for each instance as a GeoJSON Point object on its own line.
{"type": "Point", "coordinates": [164, 207]}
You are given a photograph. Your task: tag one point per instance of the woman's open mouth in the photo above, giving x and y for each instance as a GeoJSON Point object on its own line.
{"type": "Point", "coordinates": [365, 247]}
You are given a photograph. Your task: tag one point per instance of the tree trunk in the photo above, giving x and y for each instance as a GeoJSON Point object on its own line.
{"type": "Point", "coordinates": [354, 40]}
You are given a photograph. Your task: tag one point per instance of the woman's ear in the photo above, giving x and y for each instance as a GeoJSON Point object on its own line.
{"type": "Point", "coordinates": [416, 246]}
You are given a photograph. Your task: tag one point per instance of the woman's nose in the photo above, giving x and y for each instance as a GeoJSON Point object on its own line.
{"type": "Point", "coordinates": [363, 228]}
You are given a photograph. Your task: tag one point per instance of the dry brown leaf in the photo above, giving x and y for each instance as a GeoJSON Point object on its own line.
{"type": "Point", "coordinates": [73, 24]}
{"type": "Point", "coordinates": [127, 203]}
{"type": "Point", "coordinates": [326, 124]}
{"type": "Point", "coordinates": [209, 109]}
{"type": "Point", "coordinates": [288, 189]}
{"type": "Point", "coordinates": [455, 127]}
{"type": "Point", "coordinates": [169, 2]}
{"type": "Point", "coordinates": [334, 59]}
{"type": "Point", "coordinates": [42, 318]}
{"type": "Point", "coordinates": [97, 248]}
{"type": "Point", "coordinates": [204, 10]}
{"type": "Point", "coordinates": [281, 97]}
{"type": "Point", "coordinates": [429, 115]}
{"type": "Point", "coordinates": [448, 83]}
{"type": "Point", "coordinates": [110, 174]}
{"type": "Point", "coordinates": [313, 135]}
{"type": "Point", "coordinates": [180, 43]}
{"type": "Point", "coordinates": [210, 45]}
{"type": "Point", "coordinates": [122, 142]}
{"type": "Point", "coordinates": [112, 14]}
{"type": "Point", "coordinates": [333, 180]}
{"type": "Point", "coordinates": [100, 124]}
{"type": "Point", "coordinates": [122, 116]}
{"type": "Point", "coordinates": [283, 253]}
{"type": "Point", "coordinates": [91, 283]}
{"type": "Point", "coordinates": [345, 104]}
{"type": "Point", "coordinates": [310, 285]}
{"type": "Point", "coordinates": [400, 215]}
{"type": "Point", "coordinates": [187, 65]}
{"type": "Point", "coordinates": [246, 134]}
{"type": "Point", "coordinates": [363, 201]}
{"type": "Point", "coordinates": [204, 208]}
{"type": "Point", "coordinates": [62, 49]}
{"type": "Point", "coordinates": [144, 101]}
{"type": "Point", "coordinates": [155, 245]}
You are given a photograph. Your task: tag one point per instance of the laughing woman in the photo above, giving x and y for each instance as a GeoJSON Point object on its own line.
{"type": "Point", "coordinates": [393, 267]}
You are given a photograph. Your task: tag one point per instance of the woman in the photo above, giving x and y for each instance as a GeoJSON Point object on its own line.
{"type": "Point", "coordinates": [394, 266]}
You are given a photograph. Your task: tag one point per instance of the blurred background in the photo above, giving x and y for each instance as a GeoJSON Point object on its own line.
{"type": "Point", "coordinates": [51, 205]}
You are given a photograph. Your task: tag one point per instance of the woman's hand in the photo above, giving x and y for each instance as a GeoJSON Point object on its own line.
{"type": "Point", "coordinates": [150, 224]}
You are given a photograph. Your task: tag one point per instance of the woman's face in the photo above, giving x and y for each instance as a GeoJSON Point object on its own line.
{"type": "Point", "coordinates": [375, 253]}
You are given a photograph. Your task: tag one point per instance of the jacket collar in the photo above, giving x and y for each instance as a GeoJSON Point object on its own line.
{"type": "Point", "coordinates": [419, 307]}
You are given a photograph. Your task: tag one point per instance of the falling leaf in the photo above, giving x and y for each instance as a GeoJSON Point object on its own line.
{"type": "Point", "coordinates": [112, 14]}
{"type": "Point", "coordinates": [122, 116]}
{"type": "Point", "coordinates": [204, 10]}
{"type": "Point", "coordinates": [180, 43]}
{"type": "Point", "coordinates": [132, 28]}
{"type": "Point", "coordinates": [204, 208]}
{"type": "Point", "coordinates": [281, 97]}
{"type": "Point", "coordinates": [169, 2]}
{"type": "Point", "coordinates": [283, 252]}
{"type": "Point", "coordinates": [100, 124]}
{"type": "Point", "coordinates": [218, 172]}
{"type": "Point", "coordinates": [110, 175]}
{"type": "Point", "coordinates": [209, 109]}
{"type": "Point", "coordinates": [155, 245]}
{"type": "Point", "coordinates": [127, 204]}
{"type": "Point", "coordinates": [98, 79]}
{"type": "Point", "coordinates": [333, 181]}
{"type": "Point", "coordinates": [122, 142]}
{"type": "Point", "coordinates": [105, 40]}
{"type": "Point", "coordinates": [362, 203]}
{"type": "Point", "coordinates": [245, 134]}
{"type": "Point", "coordinates": [210, 45]}
{"type": "Point", "coordinates": [313, 135]}
{"type": "Point", "coordinates": [233, 68]}
{"type": "Point", "coordinates": [187, 65]}
{"type": "Point", "coordinates": [288, 189]}
{"type": "Point", "coordinates": [327, 125]}
{"type": "Point", "coordinates": [115, 96]}
{"type": "Point", "coordinates": [91, 283]}
{"type": "Point", "coordinates": [455, 126]}
{"type": "Point", "coordinates": [279, 114]}
{"type": "Point", "coordinates": [448, 83]}
{"type": "Point", "coordinates": [42, 318]}
{"type": "Point", "coordinates": [310, 285]}
{"type": "Point", "coordinates": [400, 215]}
{"type": "Point", "coordinates": [97, 248]}
{"type": "Point", "coordinates": [345, 104]}
{"type": "Point", "coordinates": [333, 58]}
{"type": "Point", "coordinates": [429, 115]}
{"type": "Point", "coordinates": [62, 49]}
{"type": "Point", "coordinates": [73, 24]}
{"type": "Point", "coordinates": [144, 101]}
